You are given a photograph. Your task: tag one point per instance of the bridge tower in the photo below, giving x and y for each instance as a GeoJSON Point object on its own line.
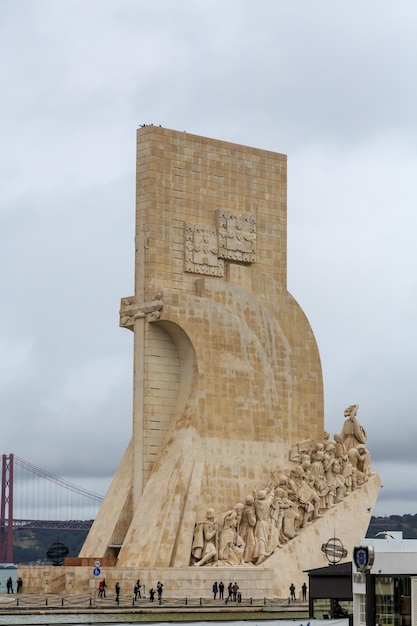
{"type": "Point", "coordinates": [6, 510]}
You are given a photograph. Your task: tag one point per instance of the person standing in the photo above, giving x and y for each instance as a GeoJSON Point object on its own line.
{"type": "Point", "coordinates": [235, 589]}
{"type": "Point", "coordinates": [215, 590]}
{"type": "Point", "coordinates": [229, 591]}
{"type": "Point", "coordinates": [151, 594]}
{"type": "Point", "coordinates": [292, 591]}
{"type": "Point", "coordinates": [159, 589]}
{"type": "Point", "coordinates": [117, 589]}
{"type": "Point", "coordinates": [104, 587]}
{"type": "Point", "coordinates": [221, 590]}
{"type": "Point", "coordinates": [304, 592]}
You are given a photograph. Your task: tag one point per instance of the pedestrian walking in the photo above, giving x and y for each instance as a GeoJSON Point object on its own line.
{"type": "Point", "coordinates": [159, 589]}
{"type": "Point", "coordinates": [229, 591]}
{"type": "Point", "coordinates": [117, 590]}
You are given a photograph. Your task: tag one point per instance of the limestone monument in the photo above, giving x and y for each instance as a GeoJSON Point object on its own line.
{"type": "Point", "coordinates": [229, 465]}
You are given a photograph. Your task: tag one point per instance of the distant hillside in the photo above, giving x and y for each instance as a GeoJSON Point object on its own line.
{"type": "Point", "coordinates": [406, 523]}
{"type": "Point", "coordinates": [31, 545]}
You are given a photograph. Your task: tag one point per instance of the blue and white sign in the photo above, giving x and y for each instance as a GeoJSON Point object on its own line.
{"type": "Point", "coordinates": [96, 571]}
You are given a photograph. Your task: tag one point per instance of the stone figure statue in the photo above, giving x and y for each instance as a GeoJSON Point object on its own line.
{"type": "Point", "coordinates": [277, 511]}
{"type": "Point", "coordinates": [263, 501]}
{"type": "Point", "coordinates": [334, 479]}
{"type": "Point", "coordinates": [352, 433]}
{"type": "Point", "coordinates": [247, 528]}
{"type": "Point", "coordinates": [205, 540]}
{"type": "Point", "coordinates": [320, 483]}
{"type": "Point", "coordinates": [340, 448]}
{"type": "Point", "coordinates": [290, 521]}
{"type": "Point", "coordinates": [360, 458]}
{"type": "Point", "coordinates": [231, 544]}
{"type": "Point", "coordinates": [307, 499]}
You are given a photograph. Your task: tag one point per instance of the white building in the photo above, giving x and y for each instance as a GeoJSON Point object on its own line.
{"type": "Point", "coordinates": [387, 594]}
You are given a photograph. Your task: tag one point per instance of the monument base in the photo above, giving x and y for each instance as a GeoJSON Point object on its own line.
{"type": "Point", "coordinates": [179, 582]}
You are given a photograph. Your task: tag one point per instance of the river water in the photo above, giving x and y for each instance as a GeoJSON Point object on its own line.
{"type": "Point", "coordinates": [4, 575]}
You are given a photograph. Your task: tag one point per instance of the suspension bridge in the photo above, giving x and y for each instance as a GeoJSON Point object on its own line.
{"type": "Point", "coordinates": [34, 498]}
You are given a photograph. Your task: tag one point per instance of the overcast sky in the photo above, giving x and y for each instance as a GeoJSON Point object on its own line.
{"type": "Point", "coordinates": [331, 84]}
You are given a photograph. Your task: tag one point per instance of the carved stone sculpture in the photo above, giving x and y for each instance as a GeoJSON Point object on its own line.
{"type": "Point", "coordinates": [247, 528]}
{"type": "Point", "coordinates": [231, 544]}
{"type": "Point", "coordinates": [263, 501]}
{"type": "Point", "coordinates": [317, 480]}
{"type": "Point", "coordinates": [205, 540]}
{"type": "Point", "coordinates": [352, 433]}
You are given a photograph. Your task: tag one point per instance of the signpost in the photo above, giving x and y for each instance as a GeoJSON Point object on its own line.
{"type": "Point", "coordinates": [96, 572]}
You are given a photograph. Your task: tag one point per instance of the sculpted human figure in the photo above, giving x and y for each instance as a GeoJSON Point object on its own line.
{"type": "Point", "coordinates": [263, 502]}
{"type": "Point", "coordinates": [231, 545]}
{"type": "Point", "coordinates": [330, 479]}
{"type": "Point", "coordinates": [320, 483]}
{"type": "Point", "coordinates": [307, 499]}
{"type": "Point", "coordinates": [278, 507]}
{"type": "Point", "coordinates": [360, 459]}
{"type": "Point", "coordinates": [352, 433]}
{"type": "Point", "coordinates": [290, 521]}
{"type": "Point", "coordinates": [346, 465]}
{"type": "Point", "coordinates": [247, 528]}
{"type": "Point", "coordinates": [276, 513]}
{"type": "Point", "coordinates": [205, 540]}
{"type": "Point", "coordinates": [339, 479]}
{"type": "Point", "coordinates": [340, 448]}
{"type": "Point", "coordinates": [330, 449]}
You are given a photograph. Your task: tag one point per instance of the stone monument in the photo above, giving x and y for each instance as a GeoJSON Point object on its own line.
{"type": "Point", "coordinates": [229, 466]}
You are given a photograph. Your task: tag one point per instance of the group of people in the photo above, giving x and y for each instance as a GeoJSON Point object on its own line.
{"type": "Point", "coordinates": [232, 591]}
{"type": "Point", "coordinates": [137, 590]}
{"type": "Point", "coordinates": [159, 590]}
{"type": "Point", "coordinates": [321, 475]}
{"type": "Point", "coordinates": [303, 592]}
{"type": "Point", "coordinates": [9, 585]}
